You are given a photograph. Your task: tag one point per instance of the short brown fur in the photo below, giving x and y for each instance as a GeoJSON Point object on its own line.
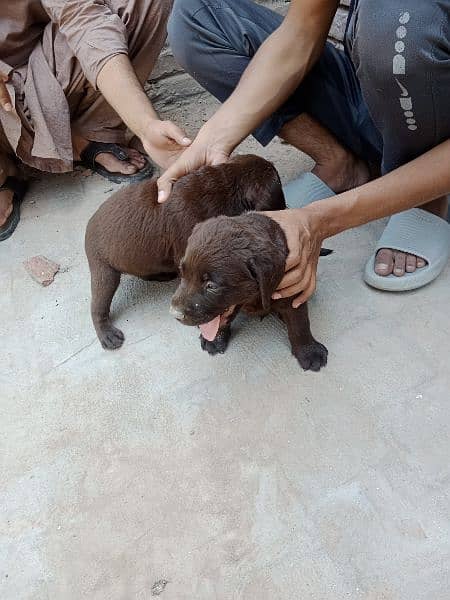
{"type": "Point", "coordinates": [206, 225]}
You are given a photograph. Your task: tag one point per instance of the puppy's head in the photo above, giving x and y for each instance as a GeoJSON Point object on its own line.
{"type": "Point", "coordinates": [229, 262]}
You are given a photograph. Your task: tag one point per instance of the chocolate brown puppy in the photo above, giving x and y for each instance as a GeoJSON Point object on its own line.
{"type": "Point", "coordinates": [131, 233]}
{"type": "Point", "coordinates": [233, 264]}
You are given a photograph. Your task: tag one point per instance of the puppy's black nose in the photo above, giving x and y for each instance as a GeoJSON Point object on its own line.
{"type": "Point", "coordinates": [177, 313]}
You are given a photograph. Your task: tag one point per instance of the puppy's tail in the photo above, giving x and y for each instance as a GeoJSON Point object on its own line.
{"type": "Point", "coordinates": [325, 252]}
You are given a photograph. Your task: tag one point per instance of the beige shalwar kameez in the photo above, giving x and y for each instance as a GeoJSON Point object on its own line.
{"type": "Point", "coordinates": [52, 51]}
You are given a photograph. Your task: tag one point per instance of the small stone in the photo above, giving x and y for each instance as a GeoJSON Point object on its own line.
{"type": "Point", "coordinates": [158, 587]}
{"type": "Point", "coordinates": [41, 269]}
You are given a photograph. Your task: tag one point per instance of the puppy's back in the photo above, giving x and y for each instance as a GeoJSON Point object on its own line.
{"type": "Point", "coordinates": [131, 228]}
{"type": "Point", "coordinates": [116, 227]}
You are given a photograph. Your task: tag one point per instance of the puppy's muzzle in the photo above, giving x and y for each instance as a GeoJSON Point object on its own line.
{"type": "Point", "coordinates": [177, 313]}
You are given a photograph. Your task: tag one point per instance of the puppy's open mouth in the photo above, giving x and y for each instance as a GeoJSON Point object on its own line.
{"type": "Point", "coordinates": [211, 328]}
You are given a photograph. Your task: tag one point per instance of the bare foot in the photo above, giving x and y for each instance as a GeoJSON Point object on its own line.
{"type": "Point", "coordinates": [394, 262]}
{"type": "Point", "coordinates": [343, 173]}
{"type": "Point", "coordinates": [136, 161]}
{"type": "Point", "coordinates": [335, 165]}
{"type": "Point", "coordinates": [7, 169]}
{"type": "Point", "coordinates": [6, 205]}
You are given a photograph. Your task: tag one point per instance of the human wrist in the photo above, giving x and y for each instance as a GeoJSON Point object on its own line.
{"type": "Point", "coordinates": [330, 216]}
{"type": "Point", "coordinates": [147, 121]}
{"type": "Point", "coordinates": [311, 217]}
{"type": "Point", "coordinates": [216, 137]}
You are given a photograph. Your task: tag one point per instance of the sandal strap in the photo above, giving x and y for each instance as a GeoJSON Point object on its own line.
{"type": "Point", "coordinates": [93, 149]}
{"type": "Point", "coordinates": [15, 185]}
{"type": "Point", "coordinates": [417, 232]}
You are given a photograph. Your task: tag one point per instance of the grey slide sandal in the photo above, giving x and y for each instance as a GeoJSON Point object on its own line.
{"type": "Point", "coordinates": [305, 189]}
{"type": "Point", "coordinates": [415, 232]}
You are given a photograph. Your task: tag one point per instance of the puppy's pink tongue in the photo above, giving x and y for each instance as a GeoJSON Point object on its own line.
{"type": "Point", "coordinates": [209, 330]}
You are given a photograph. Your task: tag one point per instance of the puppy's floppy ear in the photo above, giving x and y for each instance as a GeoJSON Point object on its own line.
{"type": "Point", "coordinates": [262, 271]}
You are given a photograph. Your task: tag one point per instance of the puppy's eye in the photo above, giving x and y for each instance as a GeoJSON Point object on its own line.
{"type": "Point", "coordinates": [210, 286]}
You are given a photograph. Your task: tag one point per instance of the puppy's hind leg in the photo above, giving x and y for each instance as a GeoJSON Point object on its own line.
{"type": "Point", "coordinates": [104, 283]}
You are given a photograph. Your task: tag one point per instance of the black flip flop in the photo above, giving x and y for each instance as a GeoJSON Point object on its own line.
{"type": "Point", "coordinates": [19, 188]}
{"type": "Point", "coordinates": [93, 149]}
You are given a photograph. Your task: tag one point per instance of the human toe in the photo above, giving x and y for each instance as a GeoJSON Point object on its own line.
{"type": "Point", "coordinates": [384, 262]}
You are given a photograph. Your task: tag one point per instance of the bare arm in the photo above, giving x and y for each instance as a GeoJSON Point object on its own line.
{"type": "Point", "coordinates": [122, 90]}
{"type": "Point", "coordinates": [162, 140]}
{"type": "Point", "coordinates": [415, 183]}
{"type": "Point", "coordinates": [276, 70]}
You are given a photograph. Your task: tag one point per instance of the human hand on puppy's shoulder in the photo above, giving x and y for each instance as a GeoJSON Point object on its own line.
{"type": "Point", "coordinates": [304, 242]}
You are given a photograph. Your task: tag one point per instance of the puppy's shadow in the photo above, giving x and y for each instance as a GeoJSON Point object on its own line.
{"type": "Point", "coordinates": [133, 292]}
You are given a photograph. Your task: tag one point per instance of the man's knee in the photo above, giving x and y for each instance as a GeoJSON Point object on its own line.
{"type": "Point", "coordinates": [184, 10]}
{"type": "Point", "coordinates": [182, 30]}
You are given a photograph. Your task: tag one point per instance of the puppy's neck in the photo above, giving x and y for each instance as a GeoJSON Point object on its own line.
{"type": "Point", "coordinates": [275, 239]}
{"type": "Point", "coordinates": [269, 246]}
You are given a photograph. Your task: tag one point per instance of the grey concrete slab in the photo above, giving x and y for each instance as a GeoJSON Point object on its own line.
{"type": "Point", "coordinates": [234, 477]}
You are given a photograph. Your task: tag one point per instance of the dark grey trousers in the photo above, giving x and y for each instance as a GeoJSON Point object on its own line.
{"type": "Point", "coordinates": [385, 98]}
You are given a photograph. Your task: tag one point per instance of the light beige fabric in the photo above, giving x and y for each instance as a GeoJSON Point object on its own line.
{"type": "Point", "coordinates": [52, 51]}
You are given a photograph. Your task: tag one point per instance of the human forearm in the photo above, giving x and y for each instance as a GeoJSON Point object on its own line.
{"type": "Point", "coordinates": [273, 74]}
{"type": "Point", "coordinates": [415, 183]}
{"type": "Point", "coordinates": [162, 140]}
{"type": "Point", "coordinates": [121, 88]}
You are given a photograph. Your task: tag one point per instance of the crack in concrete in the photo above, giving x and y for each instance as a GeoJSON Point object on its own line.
{"type": "Point", "coordinates": [63, 362]}
{"type": "Point", "coordinates": [140, 340]}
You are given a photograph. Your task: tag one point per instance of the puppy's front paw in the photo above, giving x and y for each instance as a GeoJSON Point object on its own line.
{"type": "Point", "coordinates": [111, 338]}
{"type": "Point", "coordinates": [312, 357]}
{"type": "Point", "coordinates": [219, 343]}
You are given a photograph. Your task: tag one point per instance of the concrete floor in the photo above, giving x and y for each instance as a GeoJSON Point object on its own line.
{"type": "Point", "coordinates": [235, 477]}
